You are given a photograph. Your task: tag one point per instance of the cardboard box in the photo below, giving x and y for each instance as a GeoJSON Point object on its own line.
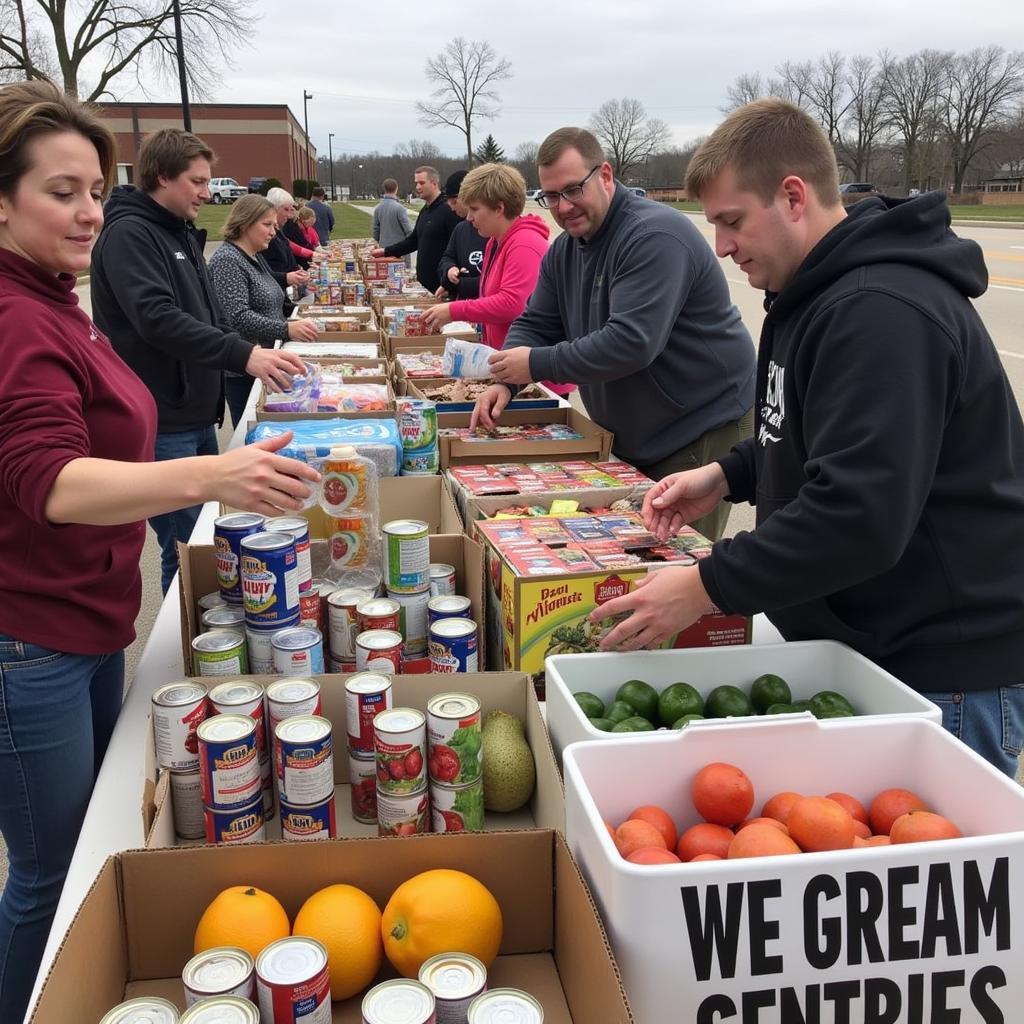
{"type": "Point", "coordinates": [595, 442]}
{"type": "Point", "coordinates": [133, 933]}
{"type": "Point", "coordinates": [423, 343]}
{"type": "Point", "coordinates": [364, 313]}
{"type": "Point", "coordinates": [508, 691]}
{"type": "Point", "coordinates": [198, 576]}
{"type": "Point", "coordinates": [414, 386]}
{"type": "Point", "coordinates": [929, 931]}
{"type": "Point", "coordinates": [808, 666]}
{"type": "Point", "coordinates": [264, 415]}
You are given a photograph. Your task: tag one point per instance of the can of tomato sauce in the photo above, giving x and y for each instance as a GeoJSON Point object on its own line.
{"type": "Point", "coordinates": [293, 983]}
{"type": "Point", "coordinates": [362, 777]}
{"type": "Point", "coordinates": [379, 613]}
{"type": "Point", "coordinates": [367, 694]}
{"type": "Point", "coordinates": [403, 814]}
{"type": "Point", "coordinates": [178, 710]}
{"type": "Point", "coordinates": [343, 623]}
{"type": "Point", "coordinates": [453, 738]}
{"type": "Point", "coordinates": [379, 650]}
{"type": "Point", "coordinates": [399, 743]}
{"type": "Point", "coordinates": [313, 610]}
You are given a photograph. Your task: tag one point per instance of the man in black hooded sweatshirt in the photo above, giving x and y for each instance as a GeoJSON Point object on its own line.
{"type": "Point", "coordinates": [887, 462]}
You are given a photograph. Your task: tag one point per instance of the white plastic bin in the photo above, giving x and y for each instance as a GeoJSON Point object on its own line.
{"type": "Point", "coordinates": [808, 666]}
{"type": "Point", "coordinates": [894, 933]}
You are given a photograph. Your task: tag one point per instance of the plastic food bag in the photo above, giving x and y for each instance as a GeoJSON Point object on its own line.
{"type": "Point", "coordinates": [303, 396]}
{"type": "Point", "coordinates": [466, 359]}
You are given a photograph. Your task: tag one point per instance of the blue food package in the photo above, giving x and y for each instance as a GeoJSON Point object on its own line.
{"type": "Point", "coordinates": [377, 440]}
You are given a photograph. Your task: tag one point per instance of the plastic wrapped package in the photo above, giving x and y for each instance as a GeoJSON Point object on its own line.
{"type": "Point", "coordinates": [466, 359]}
{"type": "Point", "coordinates": [335, 395]}
{"type": "Point", "coordinates": [304, 395]}
{"type": "Point", "coordinates": [376, 439]}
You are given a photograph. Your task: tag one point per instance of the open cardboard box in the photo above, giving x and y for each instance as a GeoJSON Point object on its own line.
{"type": "Point", "coordinates": [133, 933]}
{"type": "Point", "coordinates": [538, 397]}
{"type": "Point", "coordinates": [365, 313]}
{"type": "Point", "coordinates": [507, 691]}
{"type": "Point", "coordinates": [198, 576]}
{"type": "Point", "coordinates": [421, 343]}
{"type": "Point", "coordinates": [595, 442]}
{"type": "Point", "coordinates": [264, 415]}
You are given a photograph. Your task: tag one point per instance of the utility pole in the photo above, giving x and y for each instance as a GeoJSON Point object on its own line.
{"type": "Point", "coordinates": [186, 110]}
{"type": "Point", "coordinates": [305, 128]}
{"type": "Point", "coordinates": [330, 157]}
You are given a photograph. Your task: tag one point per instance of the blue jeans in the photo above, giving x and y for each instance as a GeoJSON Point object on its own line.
{"type": "Point", "coordinates": [990, 722]}
{"type": "Point", "coordinates": [174, 526]}
{"type": "Point", "coordinates": [57, 712]}
{"type": "Point", "coordinates": [236, 394]}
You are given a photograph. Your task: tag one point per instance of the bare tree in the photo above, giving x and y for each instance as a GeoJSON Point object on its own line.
{"type": "Point", "coordinates": [865, 116]}
{"type": "Point", "coordinates": [57, 40]}
{"type": "Point", "coordinates": [525, 153]}
{"type": "Point", "coordinates": [465, 73]}
{"type": "Point", "coordinates": [422, 150]}
{"type": "Point", "coordinates": [793, 83]}
{"type": "Point", "coordinates": [976, 98]}
{"type": "Point", "coordinates": [744, 89]}
{"type": "Point", "coordinates": [628, 135]}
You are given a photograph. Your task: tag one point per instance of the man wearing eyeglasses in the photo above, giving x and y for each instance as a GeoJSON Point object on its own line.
{"type": "Point", "coordinates": [632, 306]}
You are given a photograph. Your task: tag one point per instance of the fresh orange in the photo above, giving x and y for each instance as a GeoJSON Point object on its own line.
{"type": "Point", "coordinates": [347, 922]}
{"type": "Point", "coordinates": [858, 842]}
{"type": "Point", "coordinates": [652, 855]}
{"type": "Point", "coordinates": [722, 793]}
{"type": "Point", "coordinates": [817, 823]}
{"type": "Point", "coordinates": [779, 806]}
{"type": "Point", "coordinates": [774, 822]}
{"type": "Point", "coordinates": [704, 838]}
{"type": "Point", "coordinates": [761, 841]}
{"type": "Point", "coordinates": [436, 912]}
{"type": "Point", "coordinates": [889, 805]}
{"type": "Point", "coordinates": [852, 804]}
{"type": "Point", "coordinates": [660, 819]}
{"type": "Point", "coordinates": [922, 827]}
{"type": "Point", "coordinates": [860, 828]}
{"type": "Point", "coordinates": [241, 916]}
{"type": "Point", "coordinates": [637, 835]}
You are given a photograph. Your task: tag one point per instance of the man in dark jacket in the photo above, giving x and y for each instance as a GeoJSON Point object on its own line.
{"type": "Point", "coordinates": [887, 464]}
{"type": "Point", "coordinates": [463, 259]}
{"type": "Point", "coordinates": [324, 223]}
{"type": "Point", "coordinates": [151, 296]}
{"type": "Point", "coordinates": [429, 236]}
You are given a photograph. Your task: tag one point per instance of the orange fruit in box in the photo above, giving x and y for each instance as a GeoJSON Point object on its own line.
{"type": "Point", "coordinates": [705, 856]}
{"type": "Point", "coordinates": [241, 916]}
{"type": "Point", "coordinates": [722, 793]}
{"type": "Point", "coordinates": [436, 912]}
{"type": "Point", "coordinates": [889, 805]}
{"type": "Point", "coordinates": [637, 835]}
{"type": "Point", "coordinates": [922, 827]}
{"type": "Point", "coordinates": [761, 841]}
{"type": "Point", "coordinates": [852, 804]}
{"type": "Point", "coordinates": [704, 838]}
{"type": "Point", "coordinates": [817, 823]}
{"type": "Point", "coordinates": [347, 921]}
{"type": "Point", "coordinates": [660, 819]}
{"type": "Point", "coordinates": [774, 822]}
{"type": "Point", "coordinates": [779, 806]}
{"type": "Point", "coordinates": [652, 855]}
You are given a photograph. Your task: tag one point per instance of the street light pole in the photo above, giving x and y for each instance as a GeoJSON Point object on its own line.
{"type": "Point", "coordinates": [330, 157]}
{"type": "Point", "coordinates": [305, 128]}
{"type": "Point", "coordinates": [186, 109]}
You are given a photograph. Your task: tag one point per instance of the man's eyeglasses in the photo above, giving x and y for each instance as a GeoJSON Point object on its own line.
{"type": "Point", "coordinates": [571, 194]}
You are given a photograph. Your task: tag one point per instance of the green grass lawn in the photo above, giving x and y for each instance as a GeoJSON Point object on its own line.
{"type": "Point", "coordinates": [349, 221]}
{"type": "Point", "coordinates": [1007, 213]}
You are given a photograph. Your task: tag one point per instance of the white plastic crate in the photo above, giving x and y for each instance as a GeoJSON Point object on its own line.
{"type": "Point", "coordinates": [886, 928]}
{"type": "Point", "coordinates": [808, 666]}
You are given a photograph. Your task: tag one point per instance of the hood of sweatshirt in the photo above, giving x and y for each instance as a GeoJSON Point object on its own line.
{"type": "Point", "coordinates": [129, 201]}
{"type": "Point", "coordinates": [526, 225]}
{"type": "Point", "coordinates": [915, 232]}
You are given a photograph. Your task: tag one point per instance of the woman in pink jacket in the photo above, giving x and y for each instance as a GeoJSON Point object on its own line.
{"type": "Point", "coordinates": [495, 196]}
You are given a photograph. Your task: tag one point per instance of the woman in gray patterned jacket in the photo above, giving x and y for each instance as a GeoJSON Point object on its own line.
{"type": "Point", "coordinates": [249, 295]}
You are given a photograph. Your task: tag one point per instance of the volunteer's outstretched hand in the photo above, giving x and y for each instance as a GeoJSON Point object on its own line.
{"type": "Point", "coordinates": [489, 406]}
{"type": "Point", "coordinates": [681, 498]}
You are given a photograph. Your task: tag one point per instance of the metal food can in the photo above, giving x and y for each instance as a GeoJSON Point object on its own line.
{"type": "Point", "coordinates": [228, 533]}
{"type": "Point", "coordinates": [406, 555]}
{"type": "Point", "coordinates": [400, 746]}
{"type": "Point", "coordinates": [453, 738]}
{"type": "Point", "coordinates": [367, 694]}
{"type": "Point", "coordinates": [505, 1006]}
{"type": "Point", "coordinates": [289, 698]}
{"type": "Point", "coordinates": [178, 709]}
{"type": "Point", "coordinates": [306, 774]}
{"type": "Point", "coordinates": [448, 606]}
{"type": "Point", "coordinates": [343, 623]}
{"type": "Point", "coordinates": [244, 825]}
{"type": "Point", "coordinates": [143, 1010]}
{"type": "Point", "coordinates": [298, 528]}
{"type": "Point", "coordinates": [220, 653]}
{"type": "Point", "coordinates": [242, 697]}
{"type": "Point", "coordinates": [455, 979]}
{"type": "Point", "coordinates": [362, 777]}
{"type": "Point", "coordinates": [399, 1002]}
{"type": "Point", "coordinates": [229, 768]}
{"type": "Point", "coordinates": [222, 971]}
{"type": "Point", "coordinates": [442, 579]}
{"type": "Point", "coordinates": [453, 645]}
{"type": "Point", "coordinates": [270, 580]}
{"type": "Point", "coordinates": [208, 601]}
{"type": "Point", "coordinates": [378, 613]}
{"type": "Point", "coordinates": [405, 814]}
{"type": "Point", "coordinates": [298, 651]}
{"type": "Point", "coordinates": [379, 650]}
{"type": "Point", "coordinates": [417, 423]}
{"type": "Point", "coordinates": [423, 462]}
{"type": "Point", "coordinates": [222, 1010]}
{"type": "Point", "coordinates": [226, 616]}
{"type": "Point", "coordinates": [292, 982]}
{"type": "Point", "coordinates": [187, 805]}
{"type": "Point", "coordinates": [457, 808]}
{"type": "Point", "coordinates": [260, 650]}
{"type": "Point", "coordinates": [313, 610]}
{"type": "Point", "coordinates": [412, 621]}
{"type": "Point", "coordinates": [308, 824]}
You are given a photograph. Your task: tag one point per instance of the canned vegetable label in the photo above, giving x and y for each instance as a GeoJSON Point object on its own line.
{"type": "Point", "coordinates": [245, 825]}
{"type": "Point", "coordinates": [400, 749]}
{"type": "Point", "coordinates": [379, 650]}
{"type": "Point", "coordinates": [228, 763]}
{"type": "Point", "coordinates": [298, 651]}
{"type": "Point", "coordinates": [406, 555]}
{"type": "Point", "coordinates": [308, 824]}
{"type": "Point", "coordinates": [457, 808]}
{"type": "Point", "coordinates": [454, 738]}
{"type": "Point", "coordinates": [307, 760]}
{"type": "Point", "coordinates": [453, 645]}
{"type": "Point", "coordinates": [187, 805]}
{"type": "Point", "coordinates": [220, 653]}
{"type": "Point", "coordinates": [228, 533]}
{"type": "Point", "coordinates": [366, 696]}
{"type": "Point", "coordinates": [417, 423]}
{"type": "Point", "coordinates": [298, 528]}
{"type": "Point", "coordinates": [178, 709]}
{"type": "Point", "coordinates": [413, 621]}
{"type": "Point", "coordinates": [362, 776]}
{"type": "Point", "coordinates": [270, 580]}
{"type": "Point", "coordinates": [403, 814]}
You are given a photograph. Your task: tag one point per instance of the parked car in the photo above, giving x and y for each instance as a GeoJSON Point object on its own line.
{"type": "Point", "coordinates": [255, 184]}
{"type": "Point", "coordinates": [225, 190]}
{"type": "Point", "coordinates": [532, 193]}
{"type": "Point", "coordinates": [860, 187]}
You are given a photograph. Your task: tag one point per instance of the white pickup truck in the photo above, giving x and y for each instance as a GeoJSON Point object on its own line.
{"type": "Point", "coordinates": [225, 190]}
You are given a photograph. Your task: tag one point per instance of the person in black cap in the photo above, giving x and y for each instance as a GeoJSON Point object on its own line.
{"type": "Point", "coordinates": [460, 265]}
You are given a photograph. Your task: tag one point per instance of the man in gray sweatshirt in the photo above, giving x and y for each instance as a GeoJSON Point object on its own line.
{"type": "Point", "coordinates": [390, 220]}
{"type": "Point", "coordinates": [631, 305]}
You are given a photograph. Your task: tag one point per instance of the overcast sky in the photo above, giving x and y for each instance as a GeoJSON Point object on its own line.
{"type": "Point", "coordinates": [364, 62]}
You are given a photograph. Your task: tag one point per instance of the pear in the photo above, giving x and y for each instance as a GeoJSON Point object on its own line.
{"type": "Point", "coordinates": [506, 762]}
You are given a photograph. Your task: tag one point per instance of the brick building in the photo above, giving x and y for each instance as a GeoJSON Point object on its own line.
{"type": "Point", "coordinates": [250, 139]}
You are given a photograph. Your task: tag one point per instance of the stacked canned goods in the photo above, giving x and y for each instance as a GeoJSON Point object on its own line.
{"type": "Point", "coordinates": [293, 982]}
{"type": "Point", "coordinates": [409, 1002]}
{"type": "Point", "coordinates": [367, 695]}
{"type": "Point", "coordinates": [343, 625]}
{"type": "Point", "coordinates": [455, 980]}
{"type": "Point", "coordinates": [306, 779]}
{"type": "Point", "coordinates": [178, 711]}
{"type": "Point", "coordinates": [417, 427]}
{"type": "Point", "coordinates": [244, 697]}
{"type": "Point", "coordinates": [269, 571]}
{"type": "Point", "coordinates": [406, 568]}
{"type": "Point", "coordinates": [229, 777]}
{"type": "Point", "coordinates": [224, 971]}
{"type": "Point", "coordinates": [400, 750]}
{"type": "Point", "coordinates": [453, 763]}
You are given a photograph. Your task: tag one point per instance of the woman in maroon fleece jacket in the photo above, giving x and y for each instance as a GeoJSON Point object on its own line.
{"type": "Point", "coordinates": [77, 482]}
